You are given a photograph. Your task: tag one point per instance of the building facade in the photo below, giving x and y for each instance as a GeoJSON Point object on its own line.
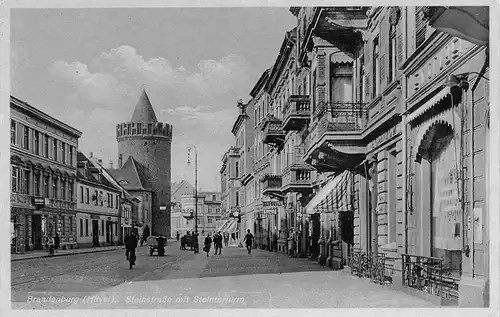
{"type": "Point", "coordinates": [98, 206]}
{"type": "Point", "coordinates": [149, 143]}
{"type": "Point", "coordinates": [43, 178]}
{"type": "Point", "coordinates": [208, 212]}
{"type": "Point", "coordinates": [179, 224]}
{"type": "Point", "coordinates": [371, 138]}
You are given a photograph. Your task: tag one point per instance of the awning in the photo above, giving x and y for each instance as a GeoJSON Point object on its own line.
{"type": "Point", "coordinates": [223, 225]}
{"type": "Point", "coordinates": [429, 104]}
{"type": "Point", "coordinates": [232, 227]}
{"type": "Point", "coordinates": [340, 57]}
{"type": "Point", "coordinates": [323, 193]}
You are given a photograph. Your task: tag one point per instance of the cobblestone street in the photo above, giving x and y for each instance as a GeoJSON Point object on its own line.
{"type": "Point", "coordinates": [182, 279]}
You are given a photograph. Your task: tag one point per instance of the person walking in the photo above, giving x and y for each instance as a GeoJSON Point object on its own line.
{"type": "Point", "coordinates": [178, 235]}
{"type": "Point", "coordinates": [208, 243]}
{"type": "Point", "coordinates": [131, 244]}
{"type": "Point", "coordinates": [218, 242]}
{"type": "Point", "coordinates": [226, 238]}
{"type": "Point", "coordinates": [249, 241]}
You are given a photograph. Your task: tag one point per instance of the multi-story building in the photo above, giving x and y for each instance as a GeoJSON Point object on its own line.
{"type": "Point", "coordinates": [231, 184]}
{"type": "Point", "coordinates": [98, 206]}
{"type": "Point", "coordinates": [43, 176]}
{"type": "Point", "coordinates": [149, 143]}
{"type": "Point", "coordinates": [178, 222]}
{"type": "Point", "coordinates": [398, 116]}
{"type": "Point", "coordinates": [208, 213]}
{"type": "Point", "coordinates": [243, 131]}
{"type": "Point", "coordinates": [376, 125]}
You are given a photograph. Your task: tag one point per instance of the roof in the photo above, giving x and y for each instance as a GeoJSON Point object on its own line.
{"type": "Point", "coordinates": [261, 82]}
{"type": "Point", "coordinates": [144, 111]}
{"type": "Point", "coordinates": [88, 176]}
{"type": "Point", "coordinates": [44, 117]}
{"type": "Point", "coordinates": [284, 52]}
{"type": "Point", "coordinates": [132, 175]}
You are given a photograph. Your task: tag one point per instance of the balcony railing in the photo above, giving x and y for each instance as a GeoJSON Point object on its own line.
{"type": "Point", "coordinates": [429, 275]}
{"type": "Point", "coordinates": [61, 204]}
{"type": "Point", "coordinates": [297, 112]}
{"type": "Point", "coordinates": [343, 116]}
{"type": "Point", "coordinates": [273, 132]}
{"type": "Point", "coordinates": [271, 182]}
{"type": "Point", "coordinates": [297, 180]}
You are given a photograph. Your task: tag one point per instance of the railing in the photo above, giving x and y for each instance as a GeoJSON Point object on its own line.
{"type": "Point", "coordinates": [368, 264]}
{"type": "Point", "coordinates": [430, 275]}
{"type": "Point", "coordinates": [297, 105]}
{"type": "Point", "coordinates": [61, 204]}
{"type": "Point", "coordinates": [342, 116]}
{"type": "Point", "coordinates": [297, 177]}
{"type": "Point", "coordinates": [273, 127]}
{"type": "Point", "coordinates": [271, 181]}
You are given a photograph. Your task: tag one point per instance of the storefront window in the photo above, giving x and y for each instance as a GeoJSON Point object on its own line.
{"type": "Point", "coordinates": [446, 209]}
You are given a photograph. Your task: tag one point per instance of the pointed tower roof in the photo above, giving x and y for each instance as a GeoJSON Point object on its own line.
{"type": "Point", "coordinates": [144, 111]}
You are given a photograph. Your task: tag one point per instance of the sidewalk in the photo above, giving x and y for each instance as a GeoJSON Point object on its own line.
{"type": "Point", "coordinates": [44, 254]}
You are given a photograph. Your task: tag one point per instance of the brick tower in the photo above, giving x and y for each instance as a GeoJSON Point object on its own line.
{"type": "Point", "coordinates": [149, 143]}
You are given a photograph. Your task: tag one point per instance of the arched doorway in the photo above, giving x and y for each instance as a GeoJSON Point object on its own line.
{"type": "Point", "coordinates": [439, 208]}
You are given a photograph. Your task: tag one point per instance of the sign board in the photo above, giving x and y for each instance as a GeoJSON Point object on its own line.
{"type": "Point", "coordinates": [94, 217]}
{"type": "Point", "coordinates": [272, 204]}
{"type": "Point", "coordinates": [163, 207]}
{"type": "Point", "coordinates": [39, 202]}
{"type": "Point", "coordinates": [271, 211]}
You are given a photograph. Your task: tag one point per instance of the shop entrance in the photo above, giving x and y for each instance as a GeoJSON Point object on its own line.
{"type": "Point", "coordinates": [109, 232]}
{"type": "Point", "coordinates": [36, 229]}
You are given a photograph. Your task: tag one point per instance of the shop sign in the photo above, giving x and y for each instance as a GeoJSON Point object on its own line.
{"type": "Point", "coordinates": [271, 211]}
{"type": "Point", "coordinates": [272, 204]}
{"type": "Point", "coordinates": [94, 217]}
{"type": "Point", "coordinates": [437, 63]}
{"type": "Point", "coordinates": [389, 134]}
{"type": "Point", "coordinates": [39, 202]}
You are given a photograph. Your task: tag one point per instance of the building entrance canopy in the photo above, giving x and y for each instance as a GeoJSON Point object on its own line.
{"type": "Point", "coordinates": [332, 196]}
{"type": "Point", "coordinates": [229, 226]}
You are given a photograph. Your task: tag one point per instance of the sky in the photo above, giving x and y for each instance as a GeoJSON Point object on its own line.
{"type": "Point", "coordinates": [86, 68]}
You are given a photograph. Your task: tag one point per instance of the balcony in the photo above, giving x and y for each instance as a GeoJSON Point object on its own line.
{"type": "Point", "coordinates": [341, 26]}
{"type": "Point", "coordinates": [20, 199]}
{"type": "Point", "coordinates": [272, 186]}
{"type": "Point", "coordinates": [273, 134]}
{"type": "Point", "coordinates": [296, 113]}
{"type": "Point", "coordinates": [297, 180]}
{"type": "Point", "coordinates": [188, 214]}
{"type": "Point", "coordinates": [334, 140]}
{"type": "Point", "coordinates": [60, 204]}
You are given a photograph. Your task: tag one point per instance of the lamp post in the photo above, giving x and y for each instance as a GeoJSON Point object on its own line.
{"type": "Point", "coordinates": [195, 195]}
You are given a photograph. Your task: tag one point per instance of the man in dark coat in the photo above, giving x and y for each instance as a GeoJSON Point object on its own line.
{"type": "Point", "coordinates": [218, 242]}
{"type": "Point", "coordinates": [131, 244]}
{"type": "Point", "coordinates": [249, 241]}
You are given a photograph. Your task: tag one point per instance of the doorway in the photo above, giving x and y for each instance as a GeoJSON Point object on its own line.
{"type": "Point", "coordinates": [36, 229]}
{"type": "Point", "coordinates": [95, 233]}
{"type": "Point", "coordinates": [109, 232]}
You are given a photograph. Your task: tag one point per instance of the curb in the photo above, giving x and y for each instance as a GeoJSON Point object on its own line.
{"type": "Point", "coordinates": [66, 254]}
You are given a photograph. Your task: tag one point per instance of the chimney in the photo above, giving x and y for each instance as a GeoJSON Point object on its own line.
{"type": "Point", "coordinates": [99, 161]}
{"type": "Point", "coordinates": [120, 161]}
{"type": "Point", "coordinates": [110, 164]}
{"type": "Point", "coordinates": [91, 154]}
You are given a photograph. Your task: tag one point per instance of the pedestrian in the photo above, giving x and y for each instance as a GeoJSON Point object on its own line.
{"type": "Point", "coordinates": [226, 238]}
{"type": "Point", "coordinates": [126, 240]}
{"type": "Point", "coordinates": [218, 242]}
{"type": "Point", "coordinates": [57, 241]}
{"type": "Point", "coordinates": [178, 236]}
{"type": "Point", "coordinates": [131, 245]}
{"type": "Point", "coordinates": [249, 241]}
{"type": "Point", "coordinates": [208, 243]}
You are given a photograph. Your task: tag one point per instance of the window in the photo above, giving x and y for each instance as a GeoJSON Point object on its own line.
{"type": "Point", "coordinates": [392, 53]}
{"type": "Point", "coordinates": [54, 149]}
{"type": "Point", "coordinates": [237, 169]}
{"type": "Point", "coordinates": [37, 143]}
{"type": "Point", "coordinates": [392, 200]}
{"type": "Point", "coordinates": [96, 197]}
{"type": "Point", "coordinates": [139, 128]}
{"type": "Point", "coordinates": [63, 220]}
{"type": "Point", "coordinates": [63, 152]}
{"type": "Point", "coordinates": [101, 198]}
{"type": "Point", "coordinates": [63, 189]}
{"type": "Point", "coordinates": [81, 194]}
{"type": "Point", "coordinates": [102, 226]}
{"type": "Point", "coordinates": [54, 188]}
{"type": "Point", "coordinates": [87, 195]}
{"type": "Point", "coordinates": [46, 186]}
{"type": "Point", "coordinates": [70, 191]}
{"type": "Point", "coordinates": [376, 68]}
{"type": "Point", "coordinates": [111, 200]}
{"type": "Point", "coordinates": [237, 199]}
{"type": "Point", "coordinates": [70, 227]}
{"type": "Point", "coordinates": [86, 227]}
{"type": "Point", "coordinates": [26, 182]}
{"type": "Point", "coordinates": [15, 185]}
{"type": "Point", "coordinates": [117, 204]}
{"type": "Point", "coordinates": [36, 184]}
{"type": "Point", "coordinates": [46, 146]}
{"type": "Point", "coordinates": [341, 82]}
{"type": "Point", "coordinates": [12, 132]}
{"type": "Point", "coordinates": [362, 79]}
{"type": "Point", "coordinates": [210, 220]}
{"type": "Point", "coordinates": [70, 155]}
{"type": "Point", "coordinates": [150, 128]}
{"type": "Point", "coordinates": [26, 144]}
{"type": "Point", "coordinates": [81, 227]}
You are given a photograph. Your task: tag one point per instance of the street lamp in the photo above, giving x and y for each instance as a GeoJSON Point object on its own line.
{"type": "Point", "coordinates": [196, 249]}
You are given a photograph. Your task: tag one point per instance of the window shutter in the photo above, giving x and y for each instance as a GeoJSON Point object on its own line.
{"type": "Point", "coordinates": [420, 26]}
{"type": "Point", "coordinates": [384, 47]}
